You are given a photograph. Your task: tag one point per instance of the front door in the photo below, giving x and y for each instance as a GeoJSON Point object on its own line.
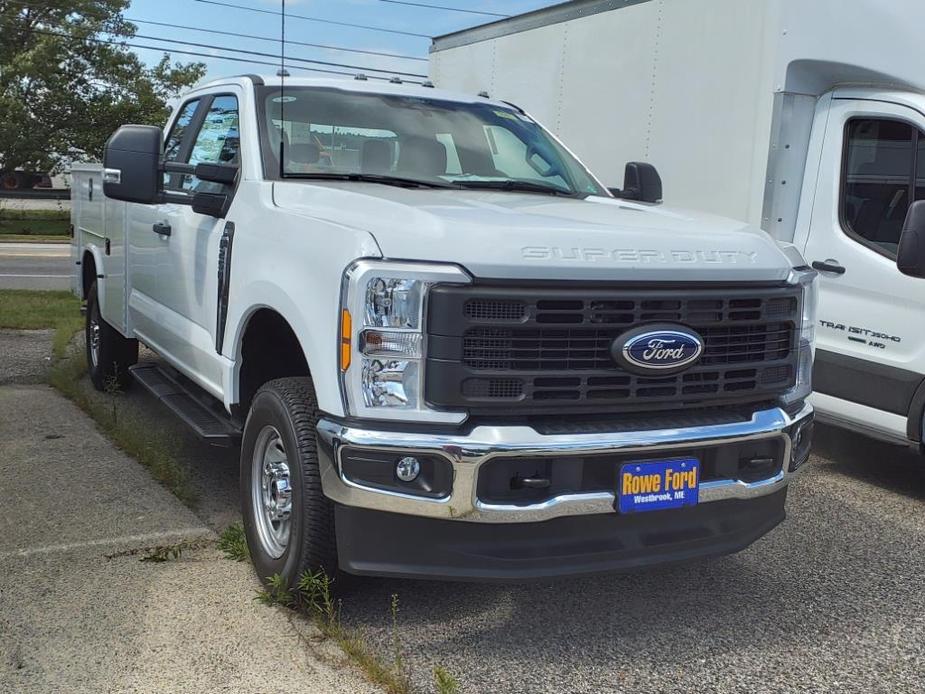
{"type": "Point", "coordinates": [189, 280]}
{"type": "Point", "coordinates": [174, 253]}
{"type": "Point", "coordinates": [871, 329]}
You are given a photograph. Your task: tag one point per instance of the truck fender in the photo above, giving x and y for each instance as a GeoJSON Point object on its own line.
{"type": "Point", "coordinates": [264, 296]}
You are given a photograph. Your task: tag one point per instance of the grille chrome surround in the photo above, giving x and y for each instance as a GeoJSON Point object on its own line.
{"type": "Point", "coordinates": [534, 349]}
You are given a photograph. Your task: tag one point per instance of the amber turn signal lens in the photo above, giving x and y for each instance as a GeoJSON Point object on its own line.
{"type": "Point", "coordinates": [346, 330]}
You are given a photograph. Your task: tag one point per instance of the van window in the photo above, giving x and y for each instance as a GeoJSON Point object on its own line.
{"type": "Point", "coordinates": [878, 185]}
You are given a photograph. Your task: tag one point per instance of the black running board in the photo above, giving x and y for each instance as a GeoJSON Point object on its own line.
{"type": "Point", "coordinates": [201, 412]}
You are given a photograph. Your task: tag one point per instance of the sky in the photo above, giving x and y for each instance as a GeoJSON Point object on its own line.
{"type": "Point", "coordinates": [175, 14]}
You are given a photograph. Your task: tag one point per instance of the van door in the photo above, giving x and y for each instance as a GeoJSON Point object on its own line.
{"type": "Point", "coordinates": [871, 330]}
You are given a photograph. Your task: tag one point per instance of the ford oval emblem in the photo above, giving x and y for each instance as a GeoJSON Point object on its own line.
{"type": "Point", "coordinates": [657, 348]}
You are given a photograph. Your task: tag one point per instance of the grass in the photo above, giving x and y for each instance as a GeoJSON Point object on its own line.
{"type": "Point", "coordinates": [162, 553]}
{"type": "Point", "coordinates": [26, 229]}
{"type": "Point", "coordinates": [33, 238]}
{"type": "Point", "coordinates": [8, 213]}
{"type": "Point", "coordinates": [24, 309]}
{"type": "Point", "coordinates": [314, 597]}
{"type": "Point", "coordinates": [445, 682]}
{"type": "Point", "coordinates": [233, 543]}
{"type": "Point", "coordinates": [39, 224]}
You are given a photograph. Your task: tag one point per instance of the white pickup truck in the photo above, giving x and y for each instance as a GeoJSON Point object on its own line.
{"type": "Point", "coordinates": [446, 348]}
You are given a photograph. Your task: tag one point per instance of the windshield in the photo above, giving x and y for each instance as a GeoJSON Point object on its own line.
{"type": "Point", "coordinates": [333, 133]}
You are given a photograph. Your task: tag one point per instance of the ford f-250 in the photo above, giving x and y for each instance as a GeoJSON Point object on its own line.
{"type": "Point", "coordinates": [446, 349]}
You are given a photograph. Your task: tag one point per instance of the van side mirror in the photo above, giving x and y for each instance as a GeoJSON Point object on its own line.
{"type": "Point", "coordinates": [910, 256]}
{"type": "Point", "coordinates": [641, 182]}
{"type": "Point", "coordinates": [131, 164]}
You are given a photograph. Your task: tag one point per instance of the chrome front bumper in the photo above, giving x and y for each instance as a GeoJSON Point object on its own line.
{"type": "Point", "coordinates": [467, 453]}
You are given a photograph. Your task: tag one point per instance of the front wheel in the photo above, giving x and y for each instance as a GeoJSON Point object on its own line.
{"type": "Point", "coordinates": [109, 354]}
{"type": "Point", "coordinates": [288, 521]}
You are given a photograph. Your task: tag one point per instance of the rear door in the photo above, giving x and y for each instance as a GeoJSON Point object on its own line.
{"type": "Point", "coordinates": [871, 330]}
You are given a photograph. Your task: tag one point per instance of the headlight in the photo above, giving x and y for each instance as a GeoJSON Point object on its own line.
{"type": "Point", "coordinates": [807, 342]}
{"type": "Point", "coordinates": [382, 346]}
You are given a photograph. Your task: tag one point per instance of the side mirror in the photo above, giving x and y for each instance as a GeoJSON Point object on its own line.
{"type": "Point", "coordinates": [910, 256]}
{"type": "Point", "coordinates": [131, 163]}
{"type": "Point", "coordinates": [217, 173]}
{"type": "Point", "coordinates": [211, 204]}
{"type": "Point", "coordinates": [641, 182]}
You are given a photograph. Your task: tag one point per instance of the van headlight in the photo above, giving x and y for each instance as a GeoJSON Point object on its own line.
{"type": "Point", "coordinates": [381, 346]}
{"type": "Point", "coordinates": [809, 301]}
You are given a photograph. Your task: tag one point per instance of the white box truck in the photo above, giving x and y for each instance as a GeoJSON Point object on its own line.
{"type": "Point", "coordinates": [806, 117]}
{"type": "Point", "coordinates": [370, 287]}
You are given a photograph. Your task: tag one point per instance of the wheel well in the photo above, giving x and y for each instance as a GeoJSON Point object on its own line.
{"type": "Point", "coordinates": [87, 273]}
{"type": "Point", "coordinates": [269, 350]}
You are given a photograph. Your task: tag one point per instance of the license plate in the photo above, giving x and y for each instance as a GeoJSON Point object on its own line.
{"type": "Point", "coordinates": [651, 485]}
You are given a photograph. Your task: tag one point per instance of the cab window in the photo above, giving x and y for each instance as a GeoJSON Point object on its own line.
{"type": "Point", "coordinates": [174, 140]}
{"type": "Point", "coordinates": [218, 140]}
{"type": "Point", "coordinates": [882, 175]}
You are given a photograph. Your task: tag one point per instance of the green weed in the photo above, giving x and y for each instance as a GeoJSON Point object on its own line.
{"type": "Point", "coordinates": [233, 543]}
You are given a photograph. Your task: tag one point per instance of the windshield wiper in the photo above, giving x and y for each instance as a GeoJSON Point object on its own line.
{"type": "Point", "coordinates": [518, 186]}
{"type": "Point", "coordinates": [400, 181]}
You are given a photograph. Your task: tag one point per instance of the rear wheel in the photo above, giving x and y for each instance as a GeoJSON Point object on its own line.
{"type": "Point", "coordinates": [109, 354]}
{"type": "Point", "coordinates": [288, 521]}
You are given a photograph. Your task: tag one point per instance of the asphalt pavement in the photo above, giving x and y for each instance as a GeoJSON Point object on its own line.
{"type": "Point", "coordinates": [35, 265]}
{"type": "Point", "coordinates": [830, 601]}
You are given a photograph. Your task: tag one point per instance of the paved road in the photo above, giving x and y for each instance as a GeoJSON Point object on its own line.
{"type": "Point", "coordinates": [831, 601]}
{"type": "Point", "coordinates": [35, 265]}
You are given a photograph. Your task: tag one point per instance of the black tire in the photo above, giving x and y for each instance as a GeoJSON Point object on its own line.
{"type": "Point", "coordinates": [108, 363]}
{"type": "Point", "coordinates": [286, 410]}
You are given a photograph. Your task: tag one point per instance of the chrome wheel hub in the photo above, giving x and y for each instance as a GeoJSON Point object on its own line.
{"type": "Point", "coordinates": [94, 338]}
{"type": "Point", "coordinates": [271, 492]}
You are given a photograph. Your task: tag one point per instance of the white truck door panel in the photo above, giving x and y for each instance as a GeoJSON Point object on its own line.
{"type": "Point", "coordinates": [188, 291]}
{"type": "Point", "coordinates": [175, 283]}
{"type": "Point", "coordinates": [870, 334]}
{"type": "Point", "coordinates": [145, 261]}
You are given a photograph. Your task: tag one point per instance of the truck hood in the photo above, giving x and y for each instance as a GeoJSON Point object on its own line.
{"type": "Point", "coordinates": [530, 236]}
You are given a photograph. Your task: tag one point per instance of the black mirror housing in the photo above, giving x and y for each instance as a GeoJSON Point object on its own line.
{"type": "Point", "coordinates": [641, 182]}
{"type": "Point", "coordinates": [131, 163]}
{"type": "Point", "coordinates": [211, 204]}
{"type": "Point", "coordinates": [910, 256]}
{"type": "Point", "coordinates": [217, 173]}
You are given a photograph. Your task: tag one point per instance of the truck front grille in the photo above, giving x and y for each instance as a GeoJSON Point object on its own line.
{"type": "Point", "coordinates": [534, 349]}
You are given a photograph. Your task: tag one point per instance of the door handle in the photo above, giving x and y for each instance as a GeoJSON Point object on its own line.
{"type": "Point", "coordinates": [829, 265]}
{"type": "Point", "coordinates": [161, 228]}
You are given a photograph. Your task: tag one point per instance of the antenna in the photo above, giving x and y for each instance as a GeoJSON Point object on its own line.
{"type": "Point", "coordinates": [282, 91]}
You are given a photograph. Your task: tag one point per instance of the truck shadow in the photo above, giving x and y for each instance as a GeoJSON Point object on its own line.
{"type": "Point", "coordinates": [889, 467]}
